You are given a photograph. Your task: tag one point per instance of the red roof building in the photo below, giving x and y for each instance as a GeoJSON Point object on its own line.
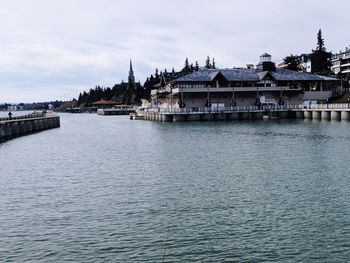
{"type": "Point", "coordinates": [104, 103]}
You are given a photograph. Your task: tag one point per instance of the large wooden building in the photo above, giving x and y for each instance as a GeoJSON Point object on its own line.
{"type": "Point", "coordinates": [263, 84]}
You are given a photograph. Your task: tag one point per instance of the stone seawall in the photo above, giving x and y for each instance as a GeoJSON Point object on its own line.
{"type": "Point", "coordinates": [215, 116]}
{"type": "Point", "coordinates": [20, 126]}
{"type": "Point", "coordinates": [312, 114]}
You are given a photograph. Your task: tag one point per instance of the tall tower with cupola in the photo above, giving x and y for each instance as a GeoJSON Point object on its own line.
{"type": "Point", "coordinates": [266, 63]}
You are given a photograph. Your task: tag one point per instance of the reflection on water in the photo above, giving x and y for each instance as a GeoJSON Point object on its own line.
{"type": "Point", "coordinates": [107, 189]}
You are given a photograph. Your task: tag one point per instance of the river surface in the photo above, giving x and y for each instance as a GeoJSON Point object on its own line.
{"type": "Point", "coordinates": [108, 189]}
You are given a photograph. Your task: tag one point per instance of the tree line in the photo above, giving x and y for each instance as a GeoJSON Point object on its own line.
{"type": "Point", "coordinates": [119, 93]}
{"type": "Point", "coordinates": [122, 94]}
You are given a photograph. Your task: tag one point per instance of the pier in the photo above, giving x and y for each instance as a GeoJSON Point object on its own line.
{"type": "Point", "coordinates": [23, 125]}
{"type": "Point", "coordinates": [108, 112]}
{"type": "Point", "coordinates": [335, 112]}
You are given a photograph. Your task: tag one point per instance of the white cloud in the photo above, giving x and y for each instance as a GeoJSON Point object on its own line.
{"type": "Point", "coordinates": [61, 45]}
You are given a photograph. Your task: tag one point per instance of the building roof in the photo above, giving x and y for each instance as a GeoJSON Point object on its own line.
{"type": "Point", "coordinates": [265, 55]}
{"type": "Point", "coordinates": [238, 74]}
{"type": "Point", "coordinates": [252, 75]}
{"type": "Point", "coordinates": [105, 102]}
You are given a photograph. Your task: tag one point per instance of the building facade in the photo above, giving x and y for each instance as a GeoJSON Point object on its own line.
{"type": "Point", "coordinates": [306, 63]}
{"type": "Point", "coordinates": [249, 86]}
{"type": "Point", "coordinates": [341, 65]}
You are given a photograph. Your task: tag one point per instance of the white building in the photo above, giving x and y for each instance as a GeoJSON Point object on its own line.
{"type": "Point", "coordinates": [306, 63]}
{"type": "Point", "coordinates": [341, 66]}
{"type": "Point", "coordinates": [341, 62]}
{"type": "Point", "coordinates": [12, 108]}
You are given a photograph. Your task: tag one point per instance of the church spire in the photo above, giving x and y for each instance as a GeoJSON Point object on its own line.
{"type": "Point", "coordinates": [131, 78]}
{"type": "Point", "coordinates": [130, 70]}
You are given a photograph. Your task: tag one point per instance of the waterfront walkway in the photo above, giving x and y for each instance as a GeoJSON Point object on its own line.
{"type": "Point", "coordinates": [316, 111]}
{"type": "Point", "coordinates": [27, 124]}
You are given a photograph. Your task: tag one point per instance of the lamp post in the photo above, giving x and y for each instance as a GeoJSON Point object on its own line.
{"type": "Point", "coordinates": [181, 102]}
{"type": "Point", "coordinates": [233, 102]}
{"type": "Point", "coordinates": [208, 103]}
{"type": "Point", "coordinates": [208, 98]}
{"type": "Point", "coordinates": [257, 101]}
{"type": "Point", "coordinates": [171, 103]}
{"type": "Point", "coordinates": [182, 93]}
{"type": "Point", "coordinates": [281, 102]}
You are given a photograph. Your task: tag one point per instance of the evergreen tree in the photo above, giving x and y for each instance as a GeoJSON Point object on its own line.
{"type": "Point", "coordinates": [148, 86]}
{"type": "Point", "coordinates": [186, 69]}
{"type": "Point", "coordinates": [156, 75]}
{"type": "Point", "coordinates": [187, 65]}
{"type": "Point", "coordinates": [292, 62]}
{"type": "Point", "coordinates": [207, 63]}
{"type": "Point", "coordinates": [80, 98]}
{"type": "Point", "coordinates": [196, 67]}
{"type": "Point", "coordinates": [320, 41]}
{"type": "Point", "coordinates": [213, 66]}
{"type": "Point", "coordinates": [320, 58]}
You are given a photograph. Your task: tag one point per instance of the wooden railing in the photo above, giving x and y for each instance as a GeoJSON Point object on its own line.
{"type": "Point", "coordinates": [225, 109]}
{"type": "Point", "coordinates": [338, 106]}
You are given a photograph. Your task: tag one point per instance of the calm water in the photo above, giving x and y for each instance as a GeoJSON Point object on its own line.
{"type": "Point", "coordinates": [107, 189]}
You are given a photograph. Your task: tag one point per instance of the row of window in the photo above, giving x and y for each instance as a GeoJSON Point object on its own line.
{"type": "Point", "coordinates": [267, 83]}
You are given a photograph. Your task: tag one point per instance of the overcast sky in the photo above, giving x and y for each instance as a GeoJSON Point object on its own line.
{"type": "Point", "coordinates": [53, 49]}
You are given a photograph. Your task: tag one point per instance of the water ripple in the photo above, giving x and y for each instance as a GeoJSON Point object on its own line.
{"type": "Point", "coordinates": [113, 190]}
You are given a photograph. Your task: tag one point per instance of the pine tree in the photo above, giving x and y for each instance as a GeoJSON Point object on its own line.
{"type": "Point", "coordinates": [80, 98]}
{"type": "Point", "coordinates": [207, 63]}
{"type": "Point", "coordinates": [320, 41]}
{"type": "Point", "coordinates": [187, 64]}
{"type": "Point", "coordinates": [186, 68]}
{"type": "Point", "coordinates": [196, 67]}
{"type": "Point", "coordinates": [213, 66]}
{"type": "Point", "coordinates": [320, 58]}
{"type": "Point", "coordinates": [293, 62]}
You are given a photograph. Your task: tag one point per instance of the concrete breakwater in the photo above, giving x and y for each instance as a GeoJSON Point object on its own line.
{"type": "Point", "coordinates": [108, 112]}
{"type": "Point", "coordinates": [23, 125]}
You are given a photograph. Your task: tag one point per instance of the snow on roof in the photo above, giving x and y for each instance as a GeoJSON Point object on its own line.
{"type": "Point", "coordinates": [244, 74]}
{"type": "Point", "coordinates": [236, 74]}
